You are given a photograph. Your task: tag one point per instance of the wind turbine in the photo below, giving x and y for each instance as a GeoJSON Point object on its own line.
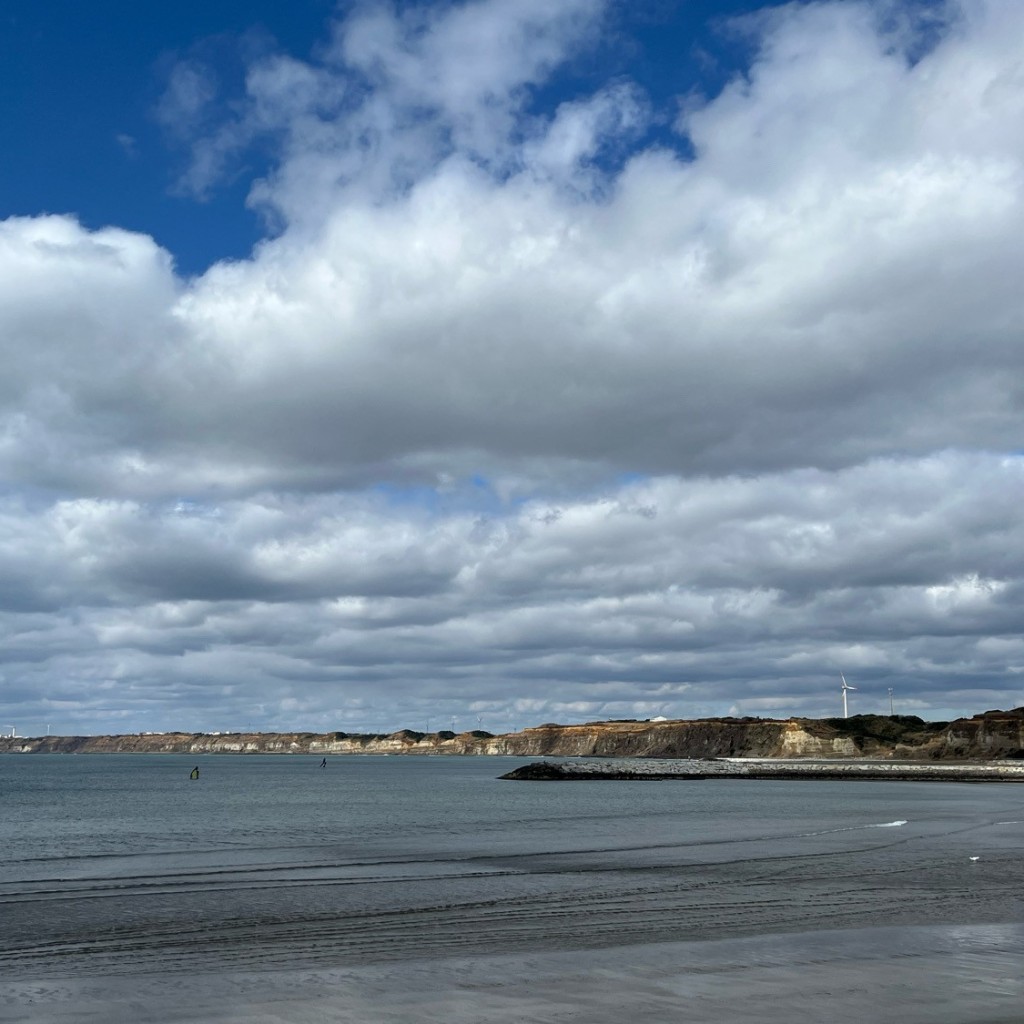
{"type": "Point", "coordinates": [846, 686]}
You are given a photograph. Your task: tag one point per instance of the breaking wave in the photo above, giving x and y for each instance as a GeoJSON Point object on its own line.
{"type": "Point", "coordinates": [855, 828]}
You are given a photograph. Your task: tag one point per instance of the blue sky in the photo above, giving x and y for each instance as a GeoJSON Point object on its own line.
{"type": "Point", "coordinates": [372, 365]}
{"type": "Point", "coordinates": [82, 84]}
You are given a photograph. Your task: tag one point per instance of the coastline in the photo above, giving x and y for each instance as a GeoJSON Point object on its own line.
{"type": "Point", "coordinates": [651, 770]}
{"type": "Point", "coordinates": [989, 737]}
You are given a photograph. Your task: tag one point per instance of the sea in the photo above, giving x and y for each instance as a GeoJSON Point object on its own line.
{"type": "Point", "coordinates": [400, 889]}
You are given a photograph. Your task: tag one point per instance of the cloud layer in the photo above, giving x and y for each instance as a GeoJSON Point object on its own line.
{"type": "Point", "coordinates": [521, 415]}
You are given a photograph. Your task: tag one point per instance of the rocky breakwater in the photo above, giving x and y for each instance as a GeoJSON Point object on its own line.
{"type": "Point", "coordinates": [650, 770]}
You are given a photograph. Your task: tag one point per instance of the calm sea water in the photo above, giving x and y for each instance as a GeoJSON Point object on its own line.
{"type": "Point", "coordinates": [401, 889]}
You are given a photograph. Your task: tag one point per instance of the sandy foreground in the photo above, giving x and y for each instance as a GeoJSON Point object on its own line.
{"type": "Point", "coordinates": [917, 975]}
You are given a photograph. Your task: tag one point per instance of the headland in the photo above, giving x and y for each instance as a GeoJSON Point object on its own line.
{"type": "Point", "coordinates": [991, 735]}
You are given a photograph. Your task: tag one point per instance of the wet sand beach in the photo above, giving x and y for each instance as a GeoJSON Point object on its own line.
{"type": "Point", "coordinates": [966, 974]}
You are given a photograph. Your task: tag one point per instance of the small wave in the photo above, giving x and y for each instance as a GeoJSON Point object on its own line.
{"type": "Point", "coordinates": [854, 828]}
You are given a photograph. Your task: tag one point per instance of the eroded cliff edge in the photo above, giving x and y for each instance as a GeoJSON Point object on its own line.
{"type": "Point", "coordinates": [991, 735]}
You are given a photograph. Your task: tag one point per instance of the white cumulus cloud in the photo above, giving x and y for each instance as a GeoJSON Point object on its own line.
{"type": "Point", "coordinates": [521, 406]}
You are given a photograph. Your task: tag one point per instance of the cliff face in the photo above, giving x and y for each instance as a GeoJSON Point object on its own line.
{"type": "Point", "coordinates": [685, 739]}
{"type": "Point", "coordinates": [994, 734]}
{"type": "Point", "coordinates": [700, 738]}
{"type": "Point", "coordinates": [403, 742]}
{"type": "Point", "coordinates": [861, 736]}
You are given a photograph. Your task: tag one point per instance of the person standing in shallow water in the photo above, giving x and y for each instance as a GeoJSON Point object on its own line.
{"type": "Point", "coordinates": [194, 774]}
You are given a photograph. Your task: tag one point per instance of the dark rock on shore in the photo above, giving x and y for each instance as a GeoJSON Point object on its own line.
{"type": "Point", "coordinates": [648, 769]}
{"type": "Point", "coordinates": [545, 771]}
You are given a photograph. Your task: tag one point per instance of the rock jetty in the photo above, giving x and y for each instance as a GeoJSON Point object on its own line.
{"type": "Point", "coordinates": [650, 770]}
